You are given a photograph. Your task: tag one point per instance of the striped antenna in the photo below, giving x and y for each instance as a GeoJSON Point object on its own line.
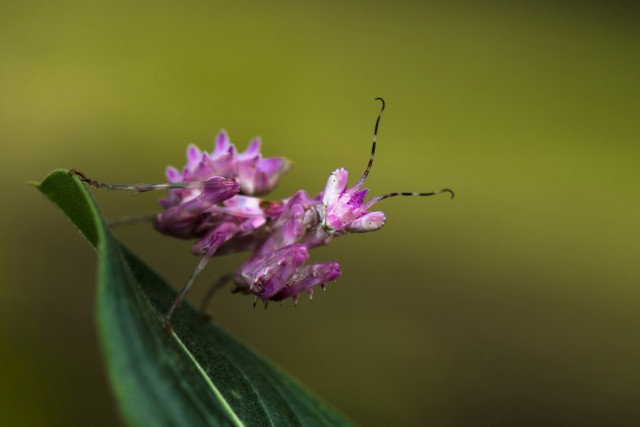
{"type": "Point", "coordinates": [386, 196]}
{"type": "Point", "coordinates": [140, 188]}
{"type": "Point", "coordinates": [373, 148]}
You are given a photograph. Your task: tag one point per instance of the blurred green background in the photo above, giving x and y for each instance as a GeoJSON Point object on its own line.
{"type": "Point", "coordinates": [515, 304]}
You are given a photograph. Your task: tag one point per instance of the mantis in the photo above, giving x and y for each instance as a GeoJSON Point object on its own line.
{"type": "Point", "coordinates": [217, 199]}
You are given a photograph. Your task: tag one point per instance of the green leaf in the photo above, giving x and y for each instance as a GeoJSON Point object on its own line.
{"type": "Point", "coordinates": [197, 375]}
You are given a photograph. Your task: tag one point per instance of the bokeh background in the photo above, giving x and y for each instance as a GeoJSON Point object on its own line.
{"type": "Point", "coordinates": [515, 304]}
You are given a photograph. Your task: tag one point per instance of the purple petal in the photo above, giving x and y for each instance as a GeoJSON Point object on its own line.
{"type": "Point", "coordinates": [194, 156]}
{"type": "Point", "coordinates": [253, 149]}
{"type": "Point", "coordinates": [173, 175]}
{"type": "Point", "coordinates": [268, 173]}
{"type": "Point", "coordinates": [273, 167]}
{"type": "Point", "coordinates": [225, 164]}
{"type": "Point", "coordinates": [247, 169]}
{"type": "Point", "coordinates": [222, 144]}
